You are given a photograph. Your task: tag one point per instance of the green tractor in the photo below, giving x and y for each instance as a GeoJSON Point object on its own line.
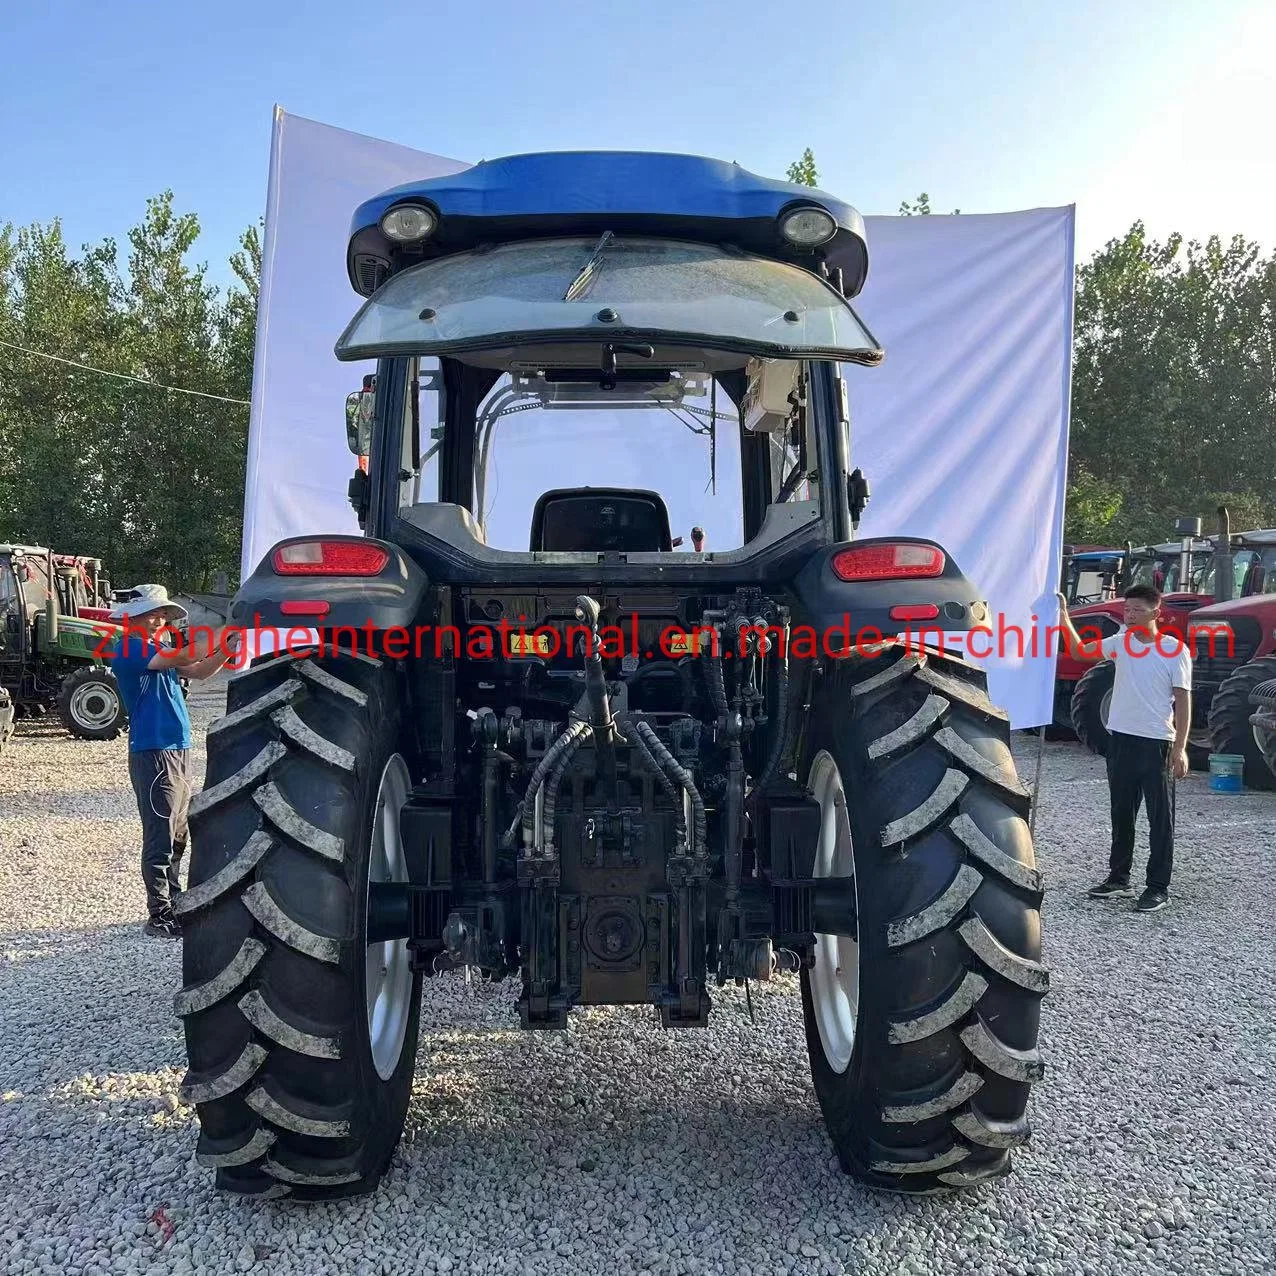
{"type": "Point", "coordinates": [52, 630]}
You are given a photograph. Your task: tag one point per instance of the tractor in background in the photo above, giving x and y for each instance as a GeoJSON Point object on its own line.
{"type": "Point", "coordinates": [1090, 573]}
{"type": "Point", "coordinates": [52, 623]}
{"type": "Point", "coordinates": [1234, 655]}
{"type": "Point", "coordinates": [1178, 569]}
{"type": "Point", "coordinates": [1229, 617]}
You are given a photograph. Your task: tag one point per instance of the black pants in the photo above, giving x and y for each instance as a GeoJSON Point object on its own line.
{"type": "Point", "coordinates": [161, 782]}
{"type": "Point", "coordinates": [1138, 770]}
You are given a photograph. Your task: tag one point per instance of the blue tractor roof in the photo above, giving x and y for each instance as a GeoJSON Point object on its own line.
{"type": "Point", "coordinates": [561, 193]}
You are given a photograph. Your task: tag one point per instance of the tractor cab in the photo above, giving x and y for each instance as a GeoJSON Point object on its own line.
{"type": "Point", "coordinates": [549, 331]}
{"type": "Point", "coordinates": [1253, 566]}
{"type": "Point", "coordinates": [1091, 575]}
{"type": "Point", "coordinates": [1162, 566]}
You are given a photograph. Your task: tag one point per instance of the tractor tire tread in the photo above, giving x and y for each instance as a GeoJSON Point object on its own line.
{"type": "Point", "coordinates": [272, 1001]}
{"type": "Point", "coordinates": [936, 1093]}
{"type": "Point", "coordinates": [1229, 721]}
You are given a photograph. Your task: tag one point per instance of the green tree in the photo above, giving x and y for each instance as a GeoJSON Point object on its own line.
{"type": "Point", "coordinates": [921, 208]}
{"type": "Point", "coordinates": [146, 478]}
{"type": "Point", "coordinates": [803, 171]}
{"type": "Point", "coordinates": [1093, 507]}
{"type": "Point", "coordinates": [1174, 379]}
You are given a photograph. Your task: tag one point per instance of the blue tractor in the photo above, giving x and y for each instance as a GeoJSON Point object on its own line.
{"type": "Point", "coordinates": [531, 733]}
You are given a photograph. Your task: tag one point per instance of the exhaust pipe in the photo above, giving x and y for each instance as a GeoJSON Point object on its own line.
{"type": "Point", "coordinates": [1190, 530]}
{"type": "Point", "coordinates": [51, 605]}
{"type": "Point", "coordinates": [1224, 578]}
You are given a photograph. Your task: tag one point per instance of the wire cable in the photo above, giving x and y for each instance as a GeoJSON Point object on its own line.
{"type": "Point", "coordinates": [123, 376]}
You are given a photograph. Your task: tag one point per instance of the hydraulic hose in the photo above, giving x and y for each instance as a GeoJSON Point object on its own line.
{"type": "Point", "coordinates": [717, 683]}
{"type": "Point", "coordinates": [527, 807]}
{"type": "Point", "coordinates": [554, 781]}
{"type": "Point", "coordinates": [640, 746]}
{"type": "Point", "coordinates": [684, 777]}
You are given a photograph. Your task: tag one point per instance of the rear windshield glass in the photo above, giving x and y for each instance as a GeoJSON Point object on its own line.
{"type": "Point", "coordinates": [618, 286]}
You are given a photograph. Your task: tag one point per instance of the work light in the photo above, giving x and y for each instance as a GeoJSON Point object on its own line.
{"type": "Point", "coordinates": [408, 223]}
{"type": "Point", "coordinates": [807, 227]}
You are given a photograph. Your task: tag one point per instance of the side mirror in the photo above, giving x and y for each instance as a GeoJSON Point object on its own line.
{"type": "Point", "coordinates": [353, 400]}
{"type": "Point", "coordinates": [359, 404]}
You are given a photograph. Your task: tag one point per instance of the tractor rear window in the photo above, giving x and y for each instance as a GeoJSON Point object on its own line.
{"type": "Point", "coordinates": [630, 288]}
{"type": "Point", "coordinates": [533, 438]}
{"type": "Point", "coordinates": [35, 582]}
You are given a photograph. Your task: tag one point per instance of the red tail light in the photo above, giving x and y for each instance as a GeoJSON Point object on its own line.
{"type": "Point", "coordinates": [329, 558]}
{"type": "Point", "coordinates": [300, 607]}
{"type": "Point", "coordinates": [888, 562]}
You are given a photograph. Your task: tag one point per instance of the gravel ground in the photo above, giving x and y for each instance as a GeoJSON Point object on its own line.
{"type": "Point", "coordinates": [618, 1148]}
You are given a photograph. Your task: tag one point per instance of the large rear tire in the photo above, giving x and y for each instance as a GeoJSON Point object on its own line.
{"type": "Point", "coordinates": [90, 704]}
{"type": "Point", "coordinates": [301, 1039]}
{"type": "Point", "coordinates": [1061, 727]}
{"type": "Point", "coordinates": [1230, 728]}
{"type": "Point", "coordinates": [922, 1032]}
{"type": "Point", "coordinates": [1090, 701]}
{"type": "Point", "coordinates": [1262, 719]}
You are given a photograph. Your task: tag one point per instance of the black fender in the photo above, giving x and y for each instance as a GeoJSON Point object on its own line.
{"type": "Point", "coordinates": [850, 615]}
{"type": "Point", "coordinates": [390, 599]}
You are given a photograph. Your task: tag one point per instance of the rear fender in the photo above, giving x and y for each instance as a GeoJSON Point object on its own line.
{"type": "Point", "coordinates": [851, 615]}
{"type": "Point", "coordinates": [391, 599]}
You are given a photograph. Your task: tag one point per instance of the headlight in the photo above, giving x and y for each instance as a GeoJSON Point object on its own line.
{"type": "Point", "coordinates": [408, 223]}
{"type": "Point", "coordinates": [808, 227]}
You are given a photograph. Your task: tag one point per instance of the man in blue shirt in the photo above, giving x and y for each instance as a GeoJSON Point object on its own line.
{"type": "Point", "coordinates": [148, 669]}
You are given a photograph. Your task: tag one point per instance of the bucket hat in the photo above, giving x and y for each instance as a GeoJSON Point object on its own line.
{"type": "Point", "coordinates": [146, 599]}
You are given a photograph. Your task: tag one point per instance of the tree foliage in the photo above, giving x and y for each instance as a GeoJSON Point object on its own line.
{"type": "Point", "coordinates": [1174, 384]}
{"type": "Point", "coordinates": [148, 479]}
{"type": "Point", "coordinates": [803, 171]}
{"type": "Point", "coordinates": [919, 208]}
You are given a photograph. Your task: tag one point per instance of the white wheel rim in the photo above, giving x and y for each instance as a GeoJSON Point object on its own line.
{"type": "Point", "coordinates": [94, 706]}
{"type": "Point", "coordinates": [388, 974]}
{"type": "Point", "coordinates": [835, 977]}
{"type": "Point", "coordinates": [1104, 706]}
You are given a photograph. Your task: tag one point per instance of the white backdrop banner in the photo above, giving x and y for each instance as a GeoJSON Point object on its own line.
{"type": "Point", "coordinates": [962, 432]}
{"type": "Point", "coordinates": [298, 463]}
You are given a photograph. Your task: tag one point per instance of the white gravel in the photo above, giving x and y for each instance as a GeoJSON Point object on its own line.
{"type": "Point", "coordinates": [616, 1148]}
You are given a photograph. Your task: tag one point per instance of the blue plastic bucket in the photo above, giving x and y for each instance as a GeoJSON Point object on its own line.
{"type": "Point", "coordinates": [1226, 770]}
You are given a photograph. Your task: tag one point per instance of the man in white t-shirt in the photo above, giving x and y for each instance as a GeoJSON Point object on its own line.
{"type": "Point", "coordinates": [1149, 717]}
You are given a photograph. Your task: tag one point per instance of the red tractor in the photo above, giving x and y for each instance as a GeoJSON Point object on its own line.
{"type": "Point", "coordinates": [1234, 652]}
{"type": "Point", "coordinates": [1229, 616]}
{"type": "Point", "coordinates": [1083, 689]}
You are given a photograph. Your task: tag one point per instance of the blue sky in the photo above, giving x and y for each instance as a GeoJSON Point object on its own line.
{"type": "Point", "coordinates": [1126, 108]}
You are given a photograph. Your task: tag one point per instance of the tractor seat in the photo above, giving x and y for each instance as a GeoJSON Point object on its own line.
{"type": "Point", "coordinates": [599, 519]}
